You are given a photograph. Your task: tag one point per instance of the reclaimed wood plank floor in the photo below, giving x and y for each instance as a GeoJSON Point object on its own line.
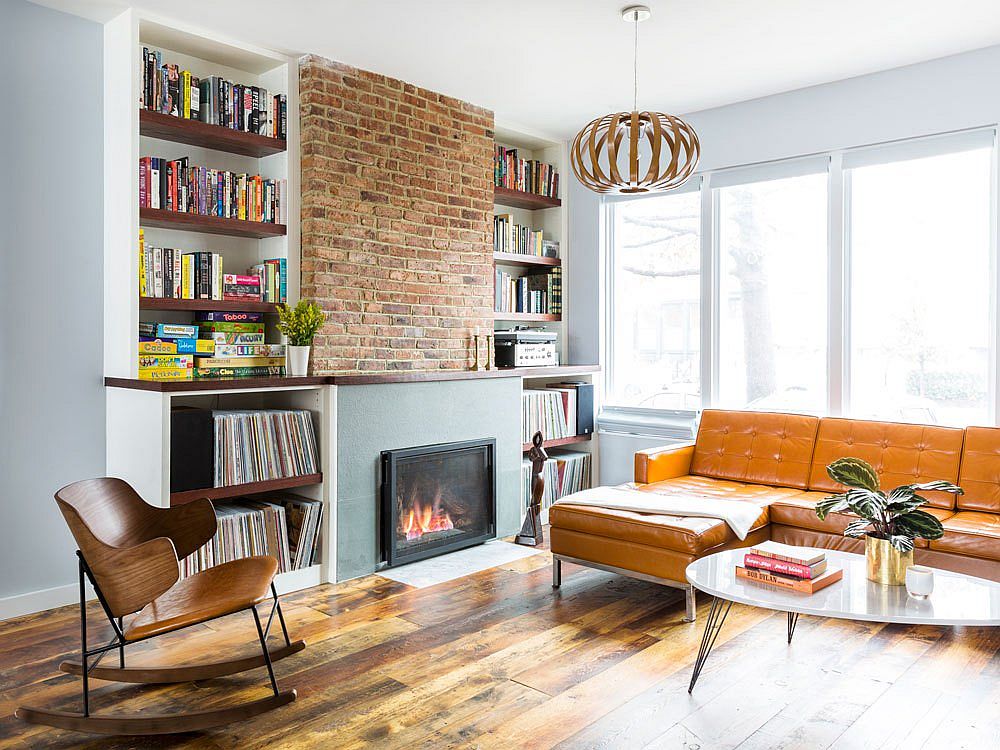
{"type": "Point", "coordinates": [500, 660]}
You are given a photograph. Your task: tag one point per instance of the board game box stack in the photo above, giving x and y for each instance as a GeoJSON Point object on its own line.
{"type": "Point", "coordinates": [215, 345]}
{"type": "Point", "coordinates": [802, 569]}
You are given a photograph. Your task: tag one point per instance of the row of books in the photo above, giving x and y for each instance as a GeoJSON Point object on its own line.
{"type": "Point", "coordinates": [282, 525]}
{"type": "Point", "coordinates": [533, 293]}
{"type": "Point", "coordinates": [802, 569]}
{"type": "Point", "coordinates": [176, 185]}
{"type": "Point", "coordinates": [217, 345]}
{"type": "Point", "coordinates": [168, 89]}
{"type": "Point", "coordinates": [511, 237]}
{"type": "Point", "coordinates": [168, 273]}
{"type": "Point", "coordinates": [564, 473]}
{"type": "Point", "coordinates": [259, 445]}
{"type": "Point", "coordinates": [526, 175]}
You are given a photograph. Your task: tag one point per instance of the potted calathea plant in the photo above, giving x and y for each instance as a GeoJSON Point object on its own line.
{"type": "Point", "coordinates": [888, 521]}
{"type": "Point", "coordinates": [299, 324]}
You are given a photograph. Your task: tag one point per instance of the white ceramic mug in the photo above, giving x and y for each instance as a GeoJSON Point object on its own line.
{"type": "Point", "coordinates": [919, 581]}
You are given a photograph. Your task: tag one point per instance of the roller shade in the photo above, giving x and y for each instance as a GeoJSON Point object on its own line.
{"type": "Point", "coordinates": [919, 148]}
{"type": "Point", "coordinates": [775, 170]}
{"type": "Point", "coordinates": [693, 185]}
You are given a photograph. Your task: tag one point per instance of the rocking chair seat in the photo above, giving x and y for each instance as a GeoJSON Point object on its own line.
{"type": "Point", "coordinates": [214, 592]}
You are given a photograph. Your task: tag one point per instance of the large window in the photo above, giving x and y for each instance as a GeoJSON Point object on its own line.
{"type": "Point", "coordinates": [772, 316]}
{"type": "Point", "coordinates": [920, 289]}
{"type": "Point", "coordinates": [859, 283]}
{"type": "Point", "coordinates": [656, 259]}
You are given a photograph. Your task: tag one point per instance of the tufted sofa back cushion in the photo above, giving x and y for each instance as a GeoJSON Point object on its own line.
{"type": "Point", "coordinates": [900, 453]}
{"type": "Point", "coordinates": [980, 474]}
{"type": "Point", "coordinates": [755, 447]}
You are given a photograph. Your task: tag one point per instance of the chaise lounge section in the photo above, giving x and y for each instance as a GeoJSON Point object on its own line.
{"type": "Point", "coordinates": [778, 462]}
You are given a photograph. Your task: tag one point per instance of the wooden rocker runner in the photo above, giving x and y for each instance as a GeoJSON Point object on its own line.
{"type": "Point", "coordinates": [129, 551]}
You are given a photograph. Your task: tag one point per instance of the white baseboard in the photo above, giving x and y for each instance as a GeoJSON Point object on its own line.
{"type": "Point", "coordinates": [38, 601]}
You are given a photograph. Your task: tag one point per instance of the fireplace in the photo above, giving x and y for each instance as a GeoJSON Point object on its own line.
{"type": "Point", "coordinates": [436, 499]}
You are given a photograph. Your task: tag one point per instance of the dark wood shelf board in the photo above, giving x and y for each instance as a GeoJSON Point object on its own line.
{"type": "Point", "coordinates": [555, 371]}
{"type": "Point", "coordinates": [237, 490]}
{"type": "Point", "coordinates": [216, 137]}
{"type": "Point", "coordinates": [375, 378]}
{"type": "Point", "coordinates": [526, 261]}
{"type": "Point", "coordinates": [558, 442]}
{"type": "Point", "coordinates": [519, 199]}
{"type": "Point", "coordinates": [185, 222]}
{"type": "Point", "coordinates": [215, 384]}
{"type": "Point", "coordinates": [157, 303]}
{"type": "Point", "coordinates": [536, 317]}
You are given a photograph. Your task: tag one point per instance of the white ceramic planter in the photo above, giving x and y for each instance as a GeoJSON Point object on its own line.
{"type": "Point", "coordinates": [297, 360]}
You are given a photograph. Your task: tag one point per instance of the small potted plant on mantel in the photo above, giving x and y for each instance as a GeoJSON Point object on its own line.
{"type": "Point", "coordinates": [888, 522]}
{"type": "Point", "coordinates": [299, 325]}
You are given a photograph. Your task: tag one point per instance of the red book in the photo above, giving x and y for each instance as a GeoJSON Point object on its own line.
{"type": "Point", "coordinates": [785, 567]}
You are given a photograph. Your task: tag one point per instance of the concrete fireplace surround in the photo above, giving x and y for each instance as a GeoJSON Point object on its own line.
{"type": "Point", "coordinates": [381, 416]}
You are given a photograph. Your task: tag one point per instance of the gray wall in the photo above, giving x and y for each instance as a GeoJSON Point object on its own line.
{"type": "Point", "coordinates": [51, 326]}
{"type": "Point", "coordinates": [373, 418]}
{"type": "Point", "coordinates": [941, 95]}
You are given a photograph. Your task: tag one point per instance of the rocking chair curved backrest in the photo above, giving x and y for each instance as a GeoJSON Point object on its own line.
{"type": "Point", "coordinates": [132, 548]}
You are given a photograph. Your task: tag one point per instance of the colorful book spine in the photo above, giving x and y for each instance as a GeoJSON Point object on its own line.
{"type": "Point", "coordinates": [223, 351]}
{"type": "Point", "coordinates": [166, 361]}
{"type": "Point", "coordinates": [798, 570]}
{"type": "Point", "coordinates": [166, 373]}
{"type": "Point", "coordinates": [203, 347]}
{"type": "Point", "coordinates": [238, 372]}
{"type": "Point", "coordinates": [231, 327]}
{"type": "Point", "coordinates": [228, 317]}
{"type": "Point", "coordinates": [207, 363]}
{"type": "Point", "coordinates": [157, 346]}
{"type": "Point", "coordinates": [802, 585]}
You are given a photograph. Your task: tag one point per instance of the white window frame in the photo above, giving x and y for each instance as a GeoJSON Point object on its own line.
{"type": "Point", "coordinates": [839, 164]}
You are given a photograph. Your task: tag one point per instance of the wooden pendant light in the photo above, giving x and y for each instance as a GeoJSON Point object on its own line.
{"type": "Point", "coordinates": [606, 154]}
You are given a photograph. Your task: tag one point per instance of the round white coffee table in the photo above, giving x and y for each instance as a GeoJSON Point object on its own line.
{"type": "Point", "coordinates": [958, 599]}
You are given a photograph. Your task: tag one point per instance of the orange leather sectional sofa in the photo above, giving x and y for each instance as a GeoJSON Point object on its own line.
{"type": "Point", "coordinates": [778, 461]}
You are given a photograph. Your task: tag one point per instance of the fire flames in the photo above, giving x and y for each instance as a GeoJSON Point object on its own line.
{"type": "Point", "coordinates": [425, 518]}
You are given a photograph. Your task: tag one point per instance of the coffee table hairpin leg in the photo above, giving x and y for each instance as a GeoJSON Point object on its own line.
{"type": "Point", "coordinates": [793, 620]}
{"type": "Point", "coordinates": [716, 616]}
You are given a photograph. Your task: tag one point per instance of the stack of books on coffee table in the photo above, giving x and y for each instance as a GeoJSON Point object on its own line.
{"type": "Point", "coordinates": [802, 569]}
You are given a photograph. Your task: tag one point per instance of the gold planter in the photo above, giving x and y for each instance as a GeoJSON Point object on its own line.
{"type": "Point", "coordinates": [886, 564]}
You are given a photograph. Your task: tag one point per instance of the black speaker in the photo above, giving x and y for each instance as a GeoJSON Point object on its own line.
{"type": "Point", "coordinates": [192, 449]}
{"type": "Point", "coordinates": [584, 405]}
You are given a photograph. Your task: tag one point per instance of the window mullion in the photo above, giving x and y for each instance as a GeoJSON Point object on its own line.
{"type": "Point", "coordinates": [838, 309]}
{"type": "Point", "coordinates": [709, 293]}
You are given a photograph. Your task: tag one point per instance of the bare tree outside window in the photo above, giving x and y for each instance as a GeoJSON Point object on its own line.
{"type": "Point", "coordinates": [773, 329]}
{"type": "Point", "coordinates": [656, 276]}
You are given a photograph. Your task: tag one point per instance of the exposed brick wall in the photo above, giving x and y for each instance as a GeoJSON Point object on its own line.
{"type": "Point", "coordinates": [397, 220]}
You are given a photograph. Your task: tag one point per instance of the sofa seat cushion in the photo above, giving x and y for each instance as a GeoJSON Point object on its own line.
{"type": "Point", "coordinates": [686, 534]}
{"type": "Point", "coordinates": [800, 512]}
{"type": "Point", "coordinates": [971, 533]}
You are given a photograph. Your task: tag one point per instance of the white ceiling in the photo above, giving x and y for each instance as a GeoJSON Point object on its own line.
{"type": "Point", "coordinates": [552, 65]}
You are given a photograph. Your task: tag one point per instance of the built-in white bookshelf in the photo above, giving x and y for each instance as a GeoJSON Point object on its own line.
{"type": "Point", "coordinates": [552, 217]}
{"type": "Point", "coordinates": [139, 414]}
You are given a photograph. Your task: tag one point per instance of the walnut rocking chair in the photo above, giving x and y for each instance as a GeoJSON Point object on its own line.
{"type": "Point", "coordinates": [129, 551]}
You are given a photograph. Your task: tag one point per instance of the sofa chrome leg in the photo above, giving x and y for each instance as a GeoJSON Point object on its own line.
{"type": "Point", "coordinates": [556, 572]}
{"type": "Point", "coordinates": [692, 612]}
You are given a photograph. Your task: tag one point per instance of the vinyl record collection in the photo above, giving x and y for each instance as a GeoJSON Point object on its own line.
{"type": "Point", "coordinates": [544, 410]}
{"type": "Point", "coordinates": [564, 473]}
{"type": "Point", "coordinates": [255, 446]}
{"type": "Point", "coordinates": [283, 525]}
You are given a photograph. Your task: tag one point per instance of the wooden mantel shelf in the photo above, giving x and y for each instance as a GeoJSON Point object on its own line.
{"type": "Point", "coordinates": [379, 378]}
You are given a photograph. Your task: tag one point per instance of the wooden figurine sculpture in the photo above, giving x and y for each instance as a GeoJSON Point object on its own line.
{"type": "Point", "coordinates": [129, 551]}
{"type": "Point", "coordinates": [531, 530]}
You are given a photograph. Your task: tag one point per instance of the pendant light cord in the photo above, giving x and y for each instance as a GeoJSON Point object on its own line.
{"type": "Point", "coordinates": [635, 64]}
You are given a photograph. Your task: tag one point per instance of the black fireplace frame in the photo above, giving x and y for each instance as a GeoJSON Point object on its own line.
{"type": "Point", "coordinates": [388, 520]}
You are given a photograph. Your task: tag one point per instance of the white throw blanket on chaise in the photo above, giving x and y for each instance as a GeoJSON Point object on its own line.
{"type": "Point", "coordinates": [739, 515]}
